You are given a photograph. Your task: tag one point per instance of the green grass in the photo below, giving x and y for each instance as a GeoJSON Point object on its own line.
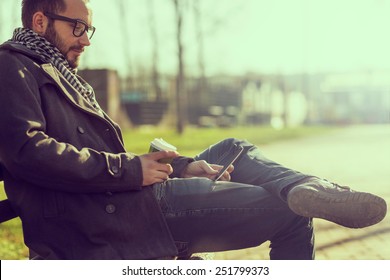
{"type": "Point", "coordinates": [11, 237]}
{"type": "Point", "coordinates": [190, 143]}
{"type": "Point", "coordinates": [195, 140]}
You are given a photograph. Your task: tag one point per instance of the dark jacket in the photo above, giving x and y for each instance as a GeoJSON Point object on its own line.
{"type": "Point", "coordinates": [66, 171]}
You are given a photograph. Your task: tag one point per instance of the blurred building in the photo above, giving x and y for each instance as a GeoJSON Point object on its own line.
{"type": "Point", "coordinates": [276, 100]}
{"type": "Point", "coordinates": [143, 103]}
{"type": "Point", "coordinates": [106, 84]}
{"type": "Point", "coordinates": [351, 98]}
{"type": "Point", "coordinates": [215, 101]}
{"type": "Point", "coordinates": [325, 98]}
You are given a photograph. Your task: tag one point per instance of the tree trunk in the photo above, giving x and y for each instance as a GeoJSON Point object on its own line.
{"type": "Point", "coordinates": [180, 79]}
{"type": "Point", "coordinates": [153, 34]}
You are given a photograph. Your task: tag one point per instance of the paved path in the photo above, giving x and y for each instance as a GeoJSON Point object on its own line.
{"type": "Point", "coordinates": [357, 156]}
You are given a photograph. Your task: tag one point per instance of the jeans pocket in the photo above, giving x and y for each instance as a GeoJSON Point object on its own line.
{"type": "Point", "coordinates": [159, 190]}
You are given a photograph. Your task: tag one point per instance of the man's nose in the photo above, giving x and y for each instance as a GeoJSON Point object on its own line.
{"type": "Point", "coordinates": [84, 40]}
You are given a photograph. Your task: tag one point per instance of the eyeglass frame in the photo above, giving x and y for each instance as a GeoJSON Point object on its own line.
{"type": "Point", "coordinates": [87, 27]}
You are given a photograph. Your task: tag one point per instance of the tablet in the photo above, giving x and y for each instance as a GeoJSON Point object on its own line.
{"type": "Point", "coordinates": [228, 159]}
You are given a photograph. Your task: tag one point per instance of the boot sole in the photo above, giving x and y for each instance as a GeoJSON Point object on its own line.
{"type": "Point", "coordinates": [349, 209]}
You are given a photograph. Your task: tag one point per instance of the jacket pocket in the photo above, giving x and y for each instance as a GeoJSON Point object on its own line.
{"type": "Point", "coordinates": [53, 205]}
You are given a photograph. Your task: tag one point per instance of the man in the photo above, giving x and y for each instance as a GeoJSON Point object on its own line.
{"type": "Point", "coordinates": [80, 195]}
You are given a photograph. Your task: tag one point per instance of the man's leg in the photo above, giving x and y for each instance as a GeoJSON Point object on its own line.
{"type": "Point", "coordinates": [253, 168]}
{"type": "Point", "coordinates": [307, 196]}
{"type": "Point", "coordinates": [205, 216]}
{"type": "Point", "coordinates": [254, 214]}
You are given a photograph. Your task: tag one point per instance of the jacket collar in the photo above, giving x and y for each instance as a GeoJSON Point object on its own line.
{"type": "Point", "coordinates": [70, 92]}
{"type": "Point", "coordinates": [66, 88]}
{"type": "Point", "coordinates": [9, 45]}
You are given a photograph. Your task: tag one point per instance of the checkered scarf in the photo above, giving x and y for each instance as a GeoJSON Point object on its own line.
{"type": "Point", "coordinates": [51, 54]}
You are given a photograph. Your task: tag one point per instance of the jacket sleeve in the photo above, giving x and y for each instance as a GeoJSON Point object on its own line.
{"type": "Point", "coordinates": [179, 164]}
{"type": "Point", "coordinates": [1, 173]}
{"type": "Point", "coordinates": [30, 155]}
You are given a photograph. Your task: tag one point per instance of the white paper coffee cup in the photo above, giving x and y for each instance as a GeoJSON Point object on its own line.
{"type": "Point", "coordinates": [158, 144]}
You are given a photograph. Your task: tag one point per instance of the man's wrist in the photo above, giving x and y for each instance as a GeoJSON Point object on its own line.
{"type": "Point", "coordinates": [179, 166]}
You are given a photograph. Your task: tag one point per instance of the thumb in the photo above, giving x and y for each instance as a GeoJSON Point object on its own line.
{"type": "Point", "coordinates": [209, 169]}
{"type": "Point", "coordinates": [163, 154]}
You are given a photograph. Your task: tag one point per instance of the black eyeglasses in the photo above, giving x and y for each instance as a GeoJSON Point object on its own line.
{"type": "Point", "coordinates": [79, 28]}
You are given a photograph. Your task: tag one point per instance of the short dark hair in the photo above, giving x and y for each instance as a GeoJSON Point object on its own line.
{"type": "Point", "coordinates": [30, 7]}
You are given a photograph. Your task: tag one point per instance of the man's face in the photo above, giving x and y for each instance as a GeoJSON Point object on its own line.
{"type": "Point", "coordinates": [60, 33]}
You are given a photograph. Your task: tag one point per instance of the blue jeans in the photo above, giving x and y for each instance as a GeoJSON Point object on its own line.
{"type": "Point", "coordinates": [208, 216]}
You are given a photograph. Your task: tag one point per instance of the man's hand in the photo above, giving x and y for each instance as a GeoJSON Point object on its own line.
{"type": "Point", "coordinates": [203, 169]}
{"type": "Point", "coordinates": [152, 170]}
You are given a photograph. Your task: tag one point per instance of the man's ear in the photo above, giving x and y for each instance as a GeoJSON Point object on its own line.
{"type": "Point", "coordinates": [39, 23]}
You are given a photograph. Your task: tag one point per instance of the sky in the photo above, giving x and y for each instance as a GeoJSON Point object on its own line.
{"type": "Point", "coordinates": [240, 36]}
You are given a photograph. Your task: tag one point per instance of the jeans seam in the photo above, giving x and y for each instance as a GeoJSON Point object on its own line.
{"type": "Point", "coordinates": [221, 211]}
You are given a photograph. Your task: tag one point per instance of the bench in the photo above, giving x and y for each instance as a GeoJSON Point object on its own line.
{"type": "Point", "coordinates": [6, 211]}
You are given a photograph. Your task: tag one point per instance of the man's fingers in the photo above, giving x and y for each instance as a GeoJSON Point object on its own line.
{"type": "Point", "coordinates": [219, 167]}
{"type": "Point", "coordinates": [157, 173]}
{"type": "Point", "coordinates": [168, 169]}
{"type": "Point", "coordinates": [163, 154]}
{"type": "Point", "coordinates": [161, 167]}
{"type": "Point", "coordinates": [209, 169]}
{"type": "Point", "coordinates": [226, 175]}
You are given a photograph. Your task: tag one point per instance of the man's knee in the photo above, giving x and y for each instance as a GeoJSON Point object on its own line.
{"type": "Point", "coordinates": [228, 142]}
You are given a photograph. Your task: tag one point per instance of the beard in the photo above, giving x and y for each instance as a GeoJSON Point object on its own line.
{"type": "Point", "coordinates": [52, 36]}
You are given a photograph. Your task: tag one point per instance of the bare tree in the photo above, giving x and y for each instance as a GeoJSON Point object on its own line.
{"type": "Point", "coordinates": [155, 47]}
{"type": "Point", "coordinates": [202, 86]}
{"type": "Point", "coordinates": [199, 37]}
{"type": "Point", "coordinates": [126, 41]}
{"type": "Point", "coordinates": [1, 19]}
{"type": "Point", "coordinates": [180, 78]}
